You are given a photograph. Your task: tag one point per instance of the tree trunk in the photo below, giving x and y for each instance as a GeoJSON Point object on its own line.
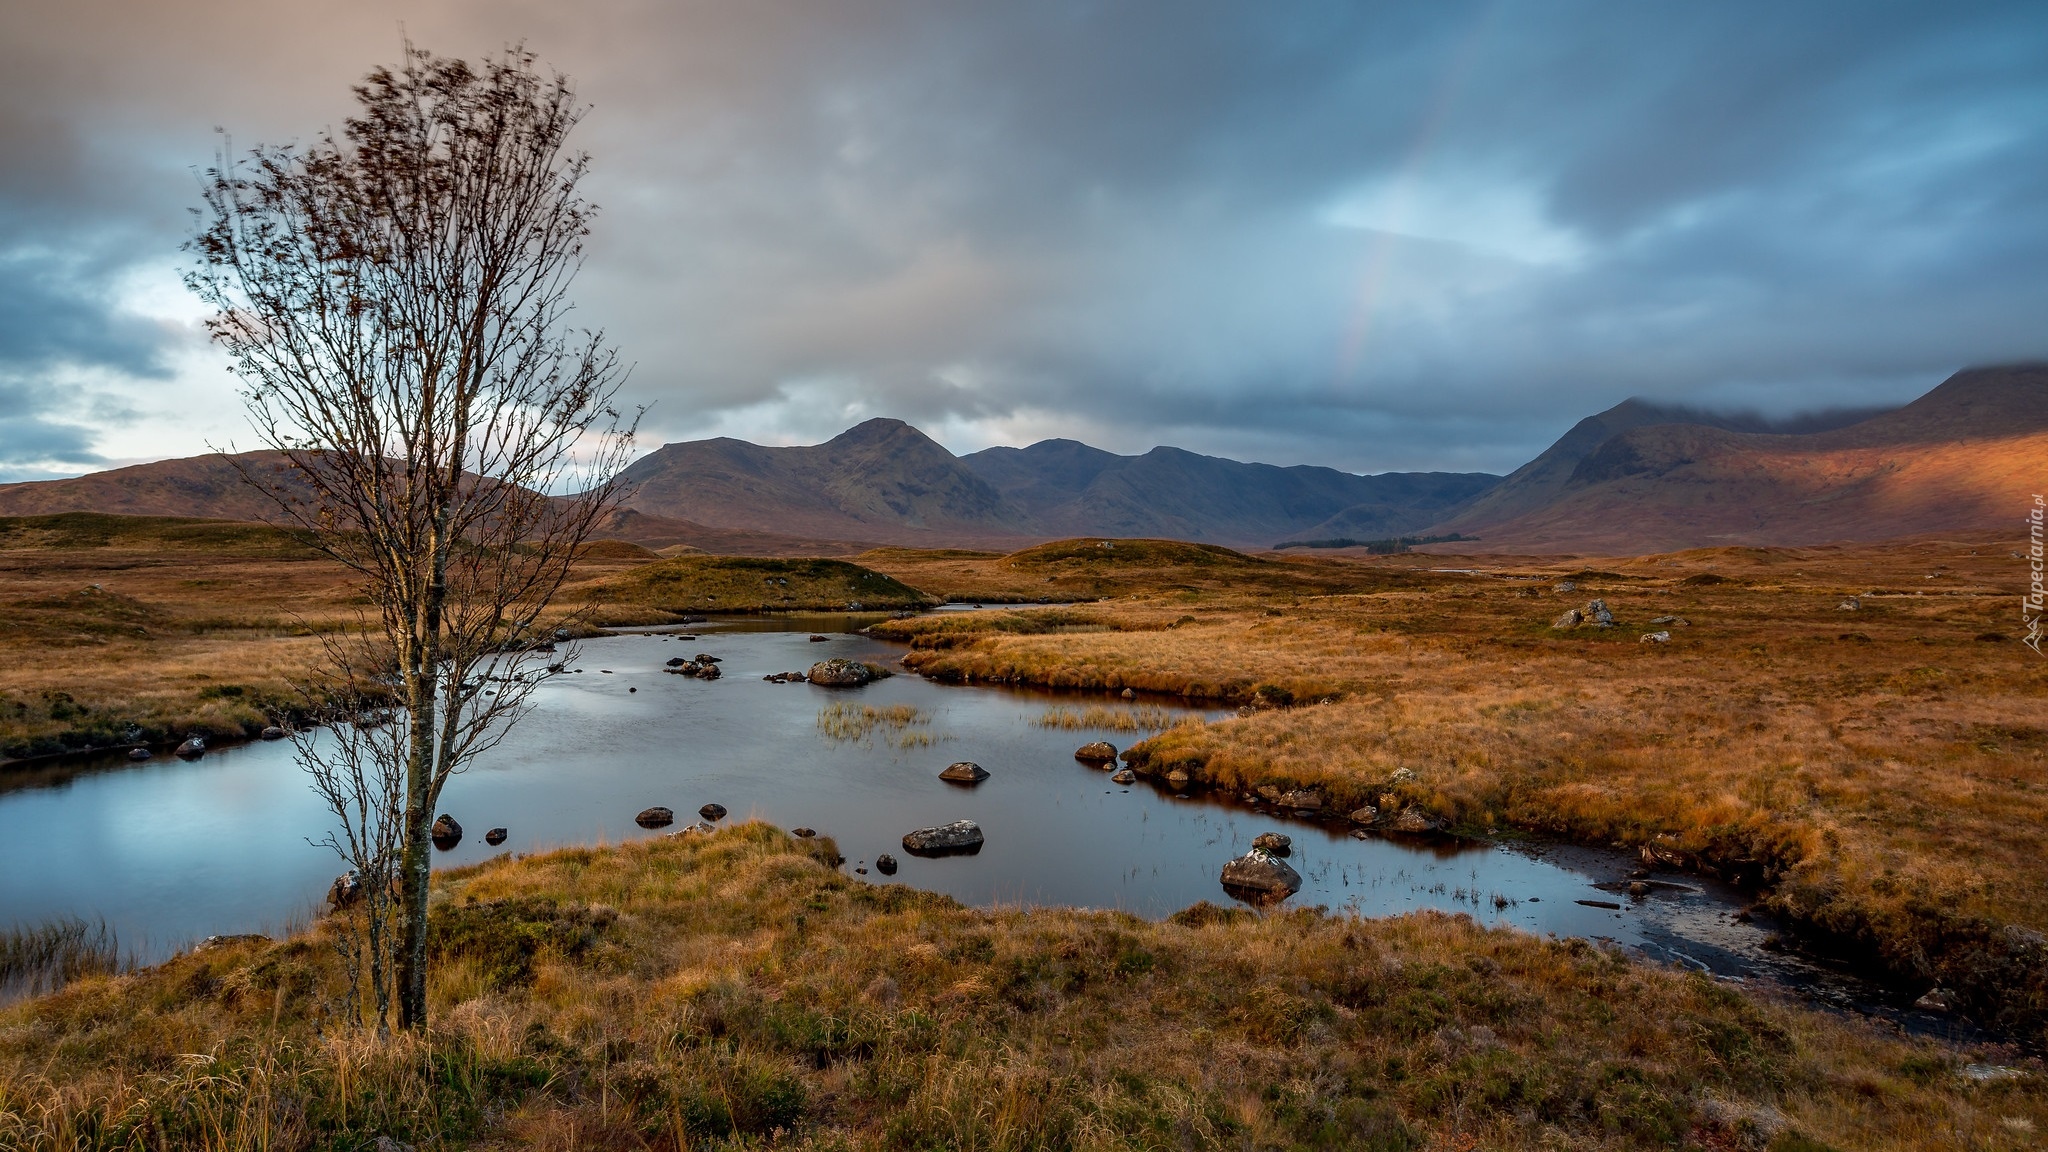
{"type": "Point", "coordinates": [417, 866]}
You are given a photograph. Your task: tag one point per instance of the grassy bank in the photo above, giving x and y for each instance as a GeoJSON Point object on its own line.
{"type": "Point", "coordinates": [1880, 767]}
{"type": "Point", "coordinates": [147, 629]}
{"type": "Point", "coordinates": [736, 991]}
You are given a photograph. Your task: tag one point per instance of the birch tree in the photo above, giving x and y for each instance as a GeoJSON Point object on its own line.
{"type": "Point", "coordinates": [394, 299]}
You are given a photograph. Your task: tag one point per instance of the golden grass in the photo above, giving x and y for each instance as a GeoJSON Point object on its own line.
{"type": "Point", "coordinates": [699, 583]}
{"type": "Point", "coordinates": [1881, 768]}
{"type": "Point", "coordinates": [734, 991]}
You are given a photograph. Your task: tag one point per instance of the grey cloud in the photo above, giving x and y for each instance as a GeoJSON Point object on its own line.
{"type": "Point", "coordinates": [1391, 236]}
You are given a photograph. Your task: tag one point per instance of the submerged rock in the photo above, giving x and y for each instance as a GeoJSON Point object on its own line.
{"type": "Point", "coordinates": [1096, 752]}
{"type": "Point", "coordinates": [839, 673]}
{"type": "Point", "coordinates": [961, 836]}
{"type": "Point", "coordinates": [965, 772]}
{"type": "Point", "coordinates": [712, 811]}
{"type": "Point", "coordinates": [1260, 878]}
{"type": "Point", "coordinates": [655, 817]}
{"type": "Point", "coordinates": [495, 836]}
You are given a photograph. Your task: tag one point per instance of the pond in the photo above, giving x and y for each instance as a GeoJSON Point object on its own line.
{"type": "Point", "coordinates": [170, 851]}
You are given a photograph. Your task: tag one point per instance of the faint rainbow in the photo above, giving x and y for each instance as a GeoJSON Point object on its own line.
{"type": "Point", "coordinates": [1358, 331]}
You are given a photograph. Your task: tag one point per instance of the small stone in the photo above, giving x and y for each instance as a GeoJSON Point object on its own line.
{"type": "Point", "coordinates": [1365, 815]}
{"type": "Point", "coordinates": [817, 639]}
{"type": "Point", "coordinates": [1273, 843]}
{"type": "Point", "coordinates": [1598, 615]}
{"type": "Point", "coordinates": [655, 817]}
{"type": "Point", "coordinates": [712, 811]}
{"type": "Point", "coordinates": [495, 837]}
{"type": "Point", "coordinates": [273, 733]}
{"type": "Point", "coordinates": [139, 754]}
{"type": "Point", "coordinates": [1936, 1000]}
{"type": "Point", "coordinates": [1571, 619]}
{"type": "Point", "coordinates": [1178, 777]}
{"type": "Point", "coordinates": [1852, 604]}
{"type": "Point", "coordinates": [1129, 694]}
{"type": "Point", "coordinates": [1123, 776]}
{"type": "Point", "coordinates": [193, 748]}
{"type": "Point", "coordinates": [965, 772]}
{"type": "Point", "coordinates": [1415, 821]}
{"type": "Point", "coordinates": [803, 833]}
{"type": "Point", "coordinates": [1565, 586]}
{"type": "Point", "coordinates": [1096, 752]}
{"type": "Point", "coordinates": [885, 864]}
{"type": "Point", "coordinates": [1658, 637]}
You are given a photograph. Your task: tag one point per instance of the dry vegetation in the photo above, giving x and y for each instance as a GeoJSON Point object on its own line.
{"type": "Point", "coordinates": [1882, 769]}
{"type": "Point", "coordinates": [737, 991]}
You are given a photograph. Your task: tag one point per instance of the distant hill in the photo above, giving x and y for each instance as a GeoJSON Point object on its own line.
{"type": "Point", "coordinates": [1068, 488]}
{"type": "Point", "coordinates": [1964, 457]}
{"type": "Point", "coordinates": [209, 487]}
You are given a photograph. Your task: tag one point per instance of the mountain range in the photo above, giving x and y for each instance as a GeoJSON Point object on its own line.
{"type": "Point", "coordinates": [1636, 478]}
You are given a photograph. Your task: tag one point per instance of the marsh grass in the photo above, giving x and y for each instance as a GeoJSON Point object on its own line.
{"type": "Point", "coordinates": [38, 959]}
{"type": "Point", "coordinates": [903, 725]}
{"type": "Point", "coordinates": [736, 991]}
{"type": "Point", "coordinates": [1142, 718]}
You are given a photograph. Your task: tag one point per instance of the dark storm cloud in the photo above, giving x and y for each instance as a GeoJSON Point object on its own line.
{"type": "Point", "coordinates": [1387, 236]}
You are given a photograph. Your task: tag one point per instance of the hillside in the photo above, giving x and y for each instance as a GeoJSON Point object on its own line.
{"type": "Point", "coordinates": [1965, 457]}
{"type": "Point", "coordinates": [882, 481]}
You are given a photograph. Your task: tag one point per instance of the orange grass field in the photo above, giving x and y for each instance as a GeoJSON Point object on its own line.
{"type": "Point", "coordinates": [1883, 769]}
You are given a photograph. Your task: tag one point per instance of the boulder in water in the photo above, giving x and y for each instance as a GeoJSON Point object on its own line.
{"type": "Point", "coordinates": [965, 772]}
{"type": "Point", "coordinates": [1123, 776]}
{"type": "Point", "coordinates": [139, 753]}
{"type": "Point", "coordinates": [1097, 752]}
{"type": "Point", "coordinates": [1273, 843]}
{"type": "Point", "coordinates": [1260, 878]}
{"type": "Point", "coordinates": [193, 748]}
{"type": "Point", "coordinates": [960, 837]}
{"type": "Point", "coordinates": [446, 832]}
{"type": "Point", "coordinates": [839, 673]}
{"type": "Point", "coordinates": [655, 817]}
{"type": "Point", "coordinates": [273, 733]}
{"type": "Point", "coordinates": [885, 864]}
{"type": "Point", "coordinates": [712, 811]}
{"type": "Point", "coordinates": [495, 837]}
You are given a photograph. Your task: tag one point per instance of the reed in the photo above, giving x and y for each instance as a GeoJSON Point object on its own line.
{"type": "Point", "coordinates": [1142, 718]}
{"type": "Point", "coordinates": [37, 959]}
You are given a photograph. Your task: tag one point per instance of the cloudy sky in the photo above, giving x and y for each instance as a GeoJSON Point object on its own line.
{"type": "Point", "coordinates": [1372, 236]}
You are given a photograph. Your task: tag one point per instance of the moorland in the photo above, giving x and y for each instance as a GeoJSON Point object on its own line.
{"type": "Point", "coordinates": [1854, 732]}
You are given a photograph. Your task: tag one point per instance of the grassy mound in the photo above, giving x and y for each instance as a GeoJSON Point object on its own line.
{"type": "Point", "coordinates": [737, 991]}
{"type": "Point", "coordinates": [1124, 555]}
{"type": "Point", "coordinates": [702, 583]}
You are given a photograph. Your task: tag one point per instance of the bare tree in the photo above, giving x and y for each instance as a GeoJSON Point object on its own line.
{"type": "Point", "coordinates": [395, 302]}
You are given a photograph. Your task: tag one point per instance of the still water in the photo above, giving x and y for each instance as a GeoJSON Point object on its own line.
{"type": "Point", "coordinates": [169, 852]}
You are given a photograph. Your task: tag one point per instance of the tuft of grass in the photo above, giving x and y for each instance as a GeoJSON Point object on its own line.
{"type": "Point", "coordinates": [903, 725]}
{"type": "Point", "coordinates": [1142, 718]}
